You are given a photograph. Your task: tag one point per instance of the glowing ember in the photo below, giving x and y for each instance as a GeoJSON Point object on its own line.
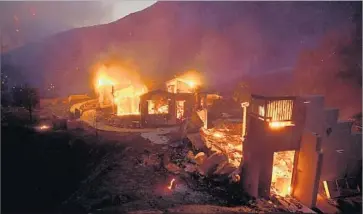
{"type": "Point", "coordinates": [278, 125]}
{"type": "Point", "coordinates": [172, 184]}
{"type": "Point", "coordinates": [217, 135]}
{"type": "Point", "coordinates": [119, 87]}
{"type": "Point", "coordinates": [226, 142]}
{"type": "Point", "coordinates": [43, 127]}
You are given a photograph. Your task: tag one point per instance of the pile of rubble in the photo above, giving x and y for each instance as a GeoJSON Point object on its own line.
{"type": "Point", "coordinates": [206, 155]}
{"type": "Point", "coordinates": [213, 152]}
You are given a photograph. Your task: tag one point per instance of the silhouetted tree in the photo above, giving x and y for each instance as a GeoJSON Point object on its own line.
{"type": "Point", "coordinates": [26, 97]}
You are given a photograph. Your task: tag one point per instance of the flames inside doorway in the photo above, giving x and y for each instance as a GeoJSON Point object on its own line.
{"type": "Point", "coordinates": [283, 166]}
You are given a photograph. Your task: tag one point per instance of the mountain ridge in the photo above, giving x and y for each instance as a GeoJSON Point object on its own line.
{"type": "Point", "coordinates": [218, 38]}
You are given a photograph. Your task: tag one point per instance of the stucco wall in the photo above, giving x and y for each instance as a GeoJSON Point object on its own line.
{"type": "Point", "coordinates": [317, 135]}
{"type": "Point", "coordinates": [307, 169]}
{"type": "Point", "coordinates": [314, 113]}
{"type": "Point", "coordinates": [342, 152]}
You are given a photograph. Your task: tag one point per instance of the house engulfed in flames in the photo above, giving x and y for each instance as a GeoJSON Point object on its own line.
{"type": "Point", "coordinates": [291, 148]}
{"type": "Point", "coordinates": [119, 90]}
{"type": "Point", "coordinates": [173, 104]}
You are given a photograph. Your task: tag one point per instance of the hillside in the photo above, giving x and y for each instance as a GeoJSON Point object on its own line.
{"type": "Point", "coordinates": [222, 39]}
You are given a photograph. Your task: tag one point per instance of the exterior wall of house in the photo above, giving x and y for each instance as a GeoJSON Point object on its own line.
{"type": "Point", "coordinates": [342, 152]}
{"type": "Point", "coordinates": [326, 148]}
{"type": "Point", "coordinates": [314, 114]}
{"type": "Point", "coordinates": [259, 147]}
{"type": "Point", "coordinates": [307, 169]}
{"type": "Point", "coordinates": [260, 144]}
{"type": "Point", "coordinates": [341, 148]}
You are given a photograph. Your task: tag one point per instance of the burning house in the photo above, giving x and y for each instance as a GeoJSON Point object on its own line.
{"type": "Point", "coordinates": [119, 89]}
{"type": "Point", "coordinates": [160, 107]}
{"type": "Point", "coordinates": [186, 83]}
{"type": "Point", "coordinates": [172, 105]}
{"type": "Point", "coordinates": [291, 148]}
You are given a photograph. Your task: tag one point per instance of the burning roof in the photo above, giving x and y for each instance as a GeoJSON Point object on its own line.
{"type": "Point", "coordinates": [186, 82]}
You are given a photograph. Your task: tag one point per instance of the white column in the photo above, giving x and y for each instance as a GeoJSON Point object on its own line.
{"type": "Point", "coordinates": [244, 106]}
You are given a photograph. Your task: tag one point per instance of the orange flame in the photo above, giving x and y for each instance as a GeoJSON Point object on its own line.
{"type": "Point", "coordinates": [192, 78]}
{"type": "Point", "coordinates": [118, 86]}
{"type": "Point", "coordinates": [185, 83]}
{"type": "Point", "coordinates": [279, 124]}
{"type": "Point", "coordinates": [217, 135]}
{"type": "Point", "coordinates": [171, 184]}
{"type": "Point", "coordinates": [283, 167]}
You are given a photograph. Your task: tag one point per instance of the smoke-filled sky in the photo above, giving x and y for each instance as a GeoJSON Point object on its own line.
{"type": "Point", "coordinates": [22, 22]}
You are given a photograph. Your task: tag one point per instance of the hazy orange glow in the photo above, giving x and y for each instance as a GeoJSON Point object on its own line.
{"type": "Point", "coordinates": [192, 78]}
{"type": "Point", "coordinates": [116, 85]}
{"type": "Point", "coordinates": [283, 166]}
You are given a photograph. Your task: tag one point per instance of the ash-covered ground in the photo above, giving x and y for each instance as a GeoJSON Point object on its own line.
{"type": "Point", "coordinates": [88, 171]}
{"type": "Point", "coordinates": [79, 171]}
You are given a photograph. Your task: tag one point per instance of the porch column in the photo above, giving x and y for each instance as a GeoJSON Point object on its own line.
{"type": "Point", "coordinates": [244, 107]}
